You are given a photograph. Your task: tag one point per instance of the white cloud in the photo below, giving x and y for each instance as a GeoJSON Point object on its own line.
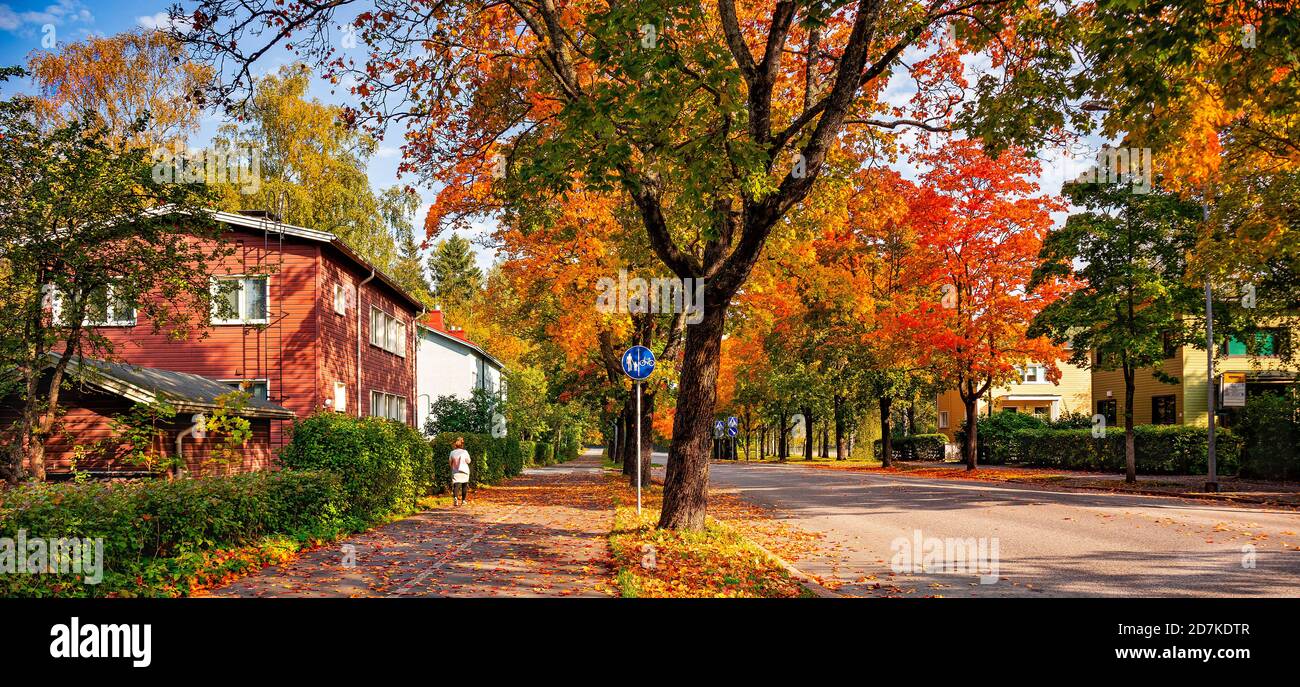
{"type": "Point", "coordinates": [61, 13]}
{"type": "Point", "coordinates": [161, 21]}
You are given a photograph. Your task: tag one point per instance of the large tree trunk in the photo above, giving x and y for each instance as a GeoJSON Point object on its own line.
{"type": "Point", "coordinates": [826, 440]}
{"type": "Point", "coordinates": [1130, 451]}
{"type": "Point", "coordinates": [968, 449]}
{"type": "Point", "coordinates": [886, 432]}
{"type": "Point", "coordinates": [647, 437]}
{"type": "Point", "coordinates": [809, 434]}
{"type": "Point", "coordinates": [629, 432]}
{"type": "Point", "coordinates": [839, 428]}
{"type": "Point", "coordinates": [612, 449]}
{"type": "Point", "coordinates": [783, 439]}
{"type": "Point", "coordinates": [686, 484]}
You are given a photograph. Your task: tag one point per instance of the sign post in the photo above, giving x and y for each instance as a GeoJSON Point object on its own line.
{"type": "Point", "coordinates": [638, 363]}
{"type": "Point", "coordinates": [733, 428]}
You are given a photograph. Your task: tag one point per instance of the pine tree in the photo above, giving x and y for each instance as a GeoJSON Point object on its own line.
{"type": "Point", "coordinates": [456, 277]}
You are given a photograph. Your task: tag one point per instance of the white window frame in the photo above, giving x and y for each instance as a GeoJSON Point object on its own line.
{"type": "Point", "coordinates": [943, 419]}
{"type": "Point", "coordinates": [341, 402]}
{"type": "Point", "coordinates": [1040, 374]}
{"type": "Point", "coordinates": [340, 299]}
{"type": "Point", "coordinates": [387, 332]}
{"type": "Point", "coordinates": [241, 317]}
{"type": "Point", "coordinates": [386, 405]}
{"type": "Point", "coordinates": [56, 311]}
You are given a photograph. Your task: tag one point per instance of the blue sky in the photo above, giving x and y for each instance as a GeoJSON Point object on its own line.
{"type": "Point", "coordinates": [26, 24]}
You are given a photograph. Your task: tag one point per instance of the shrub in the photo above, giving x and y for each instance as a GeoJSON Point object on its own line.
{"type": "Point", "coordinates": [1072, 421]}
{"type": "Point", "coordinates": [385, 466]}
{"type": "Point", "coordinates": [491, 459]}
{"type": "Point", "coordinates": [544, 454]}
{"type": "Point", "coordinates": [567, 446]}
{"type": "Point", "coordinates": [1159, 450]}
{"type": "Point", "coordinates": [914, 447]}
{"type": "Point", "coordinates": [147, 525]}
{"type": "Point", "coordinates": [927, 446]}
{"type": "Point", "coordinates": [523, 456]}
{"type": "Point", "coordinates": [995, 432]}
{"type": "Point", "coordinates": [1270, 432]}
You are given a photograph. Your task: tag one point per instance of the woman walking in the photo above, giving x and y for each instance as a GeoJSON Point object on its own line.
{"type": "Point", "coordinates": [460, 461]}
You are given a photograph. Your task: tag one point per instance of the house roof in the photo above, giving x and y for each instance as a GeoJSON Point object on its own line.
{"type": "Point", "coordinates": [448, 336]}
{"type": "Point", "coordinates": [186, 392]}
{"type": "Point", "coordinates": [268, 223]}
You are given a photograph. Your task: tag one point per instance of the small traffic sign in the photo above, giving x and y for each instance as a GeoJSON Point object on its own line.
{"type": "Point", "coordinates": [733, 426]}
{"type": "Point", "coordinates": [717, 429]}
{"type": "Point", "coordinates": [638, 363]}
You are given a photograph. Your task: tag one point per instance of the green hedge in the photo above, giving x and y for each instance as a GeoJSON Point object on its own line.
{"type": "Point", "coordinates": [544, 454]}
{"type": "Point", "coordinates": [153, 529]}
{"type": "Point", "coordinates": [1270, 430]}
{"type": "Point", "coordinates": [914, 447]}
{"type": "Point", "coordinates": [567, 447]}
{"type": "Point", "coordinates": [526, 451]}
{"type": "Point", "coordinates": [491, 459]}
{"type": "Point", "coordinates": [385, 466]}
{"type": "Point", "coordinates": [1159, 450]}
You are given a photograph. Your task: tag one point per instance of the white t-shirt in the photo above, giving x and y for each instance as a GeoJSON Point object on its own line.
{"type": "Point", "coordinates": [460, 465]}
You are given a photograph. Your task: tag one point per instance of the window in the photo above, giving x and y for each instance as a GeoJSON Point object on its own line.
{"type": "Point", "coordinates": [387, 332]}
{"type": "Point", "coordinates": [341, 396]}
{"type": "Point", "coordinates": [1265, 343]}
{"type": "Point", "coordinates": [1041, 411]}
{"type": "Point", "coordinates": [1108, 409]}
{"type": "Point", "coordinates": [386, 405]}
{"type": "Point", "coordinates": [1164, 410]}
{"type": "Point", "coordinates": [943, 419]}
{"type": "Point", "coordinates": [104, 308]}
{"type": "Point", "coordinates": [1033, 374]}
{"type": "Point", "coordinates": [259, 389]}
{"type": "Point", "coordinates": [340, 299]}
{"type": "Point", "coordinates": [240, 300]}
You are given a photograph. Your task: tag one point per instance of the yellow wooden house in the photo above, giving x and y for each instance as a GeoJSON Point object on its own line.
{"type": "Point", "coordinates": [1032, 394]}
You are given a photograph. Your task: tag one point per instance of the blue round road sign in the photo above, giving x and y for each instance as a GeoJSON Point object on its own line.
{"type": "Point", "coordinates": [638, 362]}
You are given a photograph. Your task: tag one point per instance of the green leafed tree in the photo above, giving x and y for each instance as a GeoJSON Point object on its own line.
{"type": "Point", "coordinates": [77, 250]}
{"type": "Point", "coordinates": [398, 206]}
{"type": "Point", "coordinates": [1126, 253]}
{"type": "Point", "coordinates": [457, 279]}
{"type": "Point", "coordinates": [311, 167]}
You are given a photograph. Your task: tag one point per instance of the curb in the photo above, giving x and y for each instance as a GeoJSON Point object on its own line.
{"type": "Point", "coordinates": [808, 582]}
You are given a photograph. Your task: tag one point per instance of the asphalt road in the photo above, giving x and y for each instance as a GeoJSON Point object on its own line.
{"type": "Point", "coordinates": [1047, 543]}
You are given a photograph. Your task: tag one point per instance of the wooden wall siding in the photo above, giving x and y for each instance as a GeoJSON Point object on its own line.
{"type": "Point", "coordinates": [1145, 386]}
{"type": "Point", "coordinates": [305, 347]}
{"type": "Point", "coordinates": [87, 423]}
{"type": "Point", "coordinates": [283, 352]}
{"type": "Point", "coordinates": [381, 370]}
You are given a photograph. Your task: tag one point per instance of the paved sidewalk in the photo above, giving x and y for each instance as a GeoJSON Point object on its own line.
{"type": "Point", "coordinates": [541, 534]}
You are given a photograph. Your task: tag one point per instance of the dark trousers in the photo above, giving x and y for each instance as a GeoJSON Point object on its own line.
{"type": "Point", "coordinates": [464, 490]}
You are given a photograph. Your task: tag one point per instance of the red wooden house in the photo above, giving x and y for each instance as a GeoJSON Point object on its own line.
{"type": "Point", "coordinates": [315, 328]}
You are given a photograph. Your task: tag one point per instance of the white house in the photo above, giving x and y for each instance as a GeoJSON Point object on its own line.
{"type": "Point", "coordinates": [449, 364]}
